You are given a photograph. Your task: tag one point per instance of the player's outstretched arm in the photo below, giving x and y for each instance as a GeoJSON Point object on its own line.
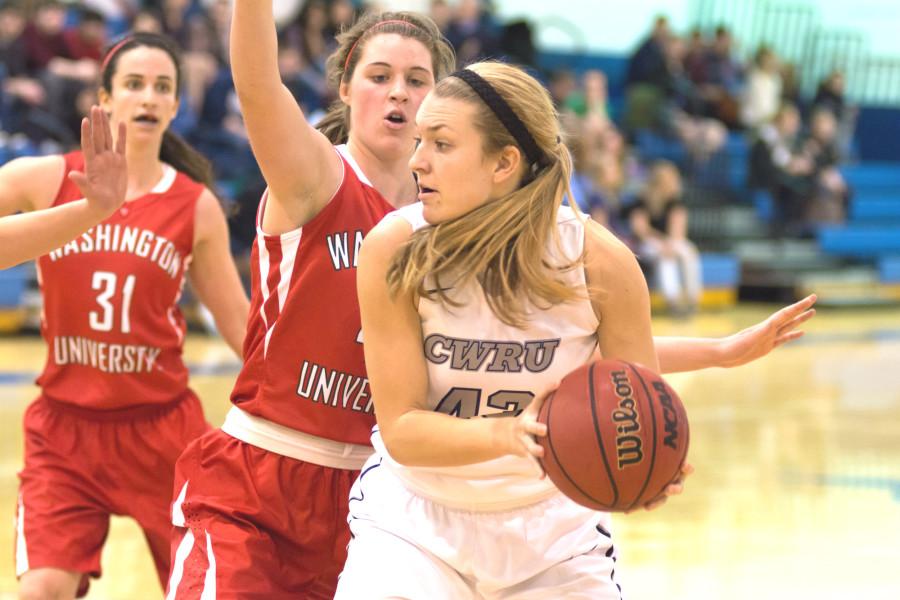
{"type": "Point", "coordinates": [677, 354]}
{"type": "Point", "coordinates": [104, 183]}
{"type": "Point", "coordinates": [299, 163]}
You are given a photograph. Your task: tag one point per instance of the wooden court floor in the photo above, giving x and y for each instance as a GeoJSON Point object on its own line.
{"type": "Point", "coordinates": [796, 493]}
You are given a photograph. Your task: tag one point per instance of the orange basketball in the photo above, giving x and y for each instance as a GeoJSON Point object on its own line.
{"type": "Point", "coordinates": [617, 435]}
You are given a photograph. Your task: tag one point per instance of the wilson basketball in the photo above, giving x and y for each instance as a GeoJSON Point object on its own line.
{"type": "Point", "coordinates": [617, 435]}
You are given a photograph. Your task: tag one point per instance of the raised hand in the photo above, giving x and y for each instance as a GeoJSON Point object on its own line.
{"type": "Point", "coordinates": [760, 339]}
{"type": "Point", "coordinates": [104, 181]}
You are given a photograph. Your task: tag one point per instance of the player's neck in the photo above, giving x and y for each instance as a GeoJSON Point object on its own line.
{"type": "Point", "coordinates": [144, 171]}
{"type": "Point", "coordinates": [392, 178]}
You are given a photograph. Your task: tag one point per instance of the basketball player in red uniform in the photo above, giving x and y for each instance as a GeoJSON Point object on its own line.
{"type": "Point", "coordinates": [115, 409]}
{"type": "Point", "coordinates": [260, 505]}
{"type": "Point", "coordinates": [25, 236]}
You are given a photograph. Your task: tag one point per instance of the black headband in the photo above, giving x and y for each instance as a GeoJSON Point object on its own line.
{"type": "Point", "coordinates": [507, 116]}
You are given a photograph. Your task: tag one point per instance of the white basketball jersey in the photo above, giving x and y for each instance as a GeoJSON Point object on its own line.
{"type": "Point", "coordinates": [480, 367]}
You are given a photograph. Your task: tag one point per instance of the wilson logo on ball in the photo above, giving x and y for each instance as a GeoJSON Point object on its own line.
{"type": "Point", "coordinates": [628, 444]}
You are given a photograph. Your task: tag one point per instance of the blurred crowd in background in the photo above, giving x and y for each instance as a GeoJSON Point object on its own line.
{"type": "Point", "coordinates": [640, 146]}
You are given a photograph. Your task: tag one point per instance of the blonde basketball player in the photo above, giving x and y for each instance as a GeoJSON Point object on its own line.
{"type": "Point", "coordinates": [475, 302]}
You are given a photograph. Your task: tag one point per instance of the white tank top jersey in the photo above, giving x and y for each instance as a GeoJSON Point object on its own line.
{"type": "Point", "coordinates": [479, 366]}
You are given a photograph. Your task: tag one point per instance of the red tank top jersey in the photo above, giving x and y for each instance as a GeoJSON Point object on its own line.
{"type": "Point", "coordinates": [110, 315]}
{"type": "Point", "coordinates": [303, 356]}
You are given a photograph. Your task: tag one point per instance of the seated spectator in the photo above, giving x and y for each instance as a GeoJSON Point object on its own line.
{"type": "Point", "coordinates": [779, 164]}
{"type": "Point", "coordinates": [720, 80]}
{"type": "Point", "coordinates": [830, 193]}
{"type": "Point", "coordinates": [682, 116]}
{"type": "Point", "coordinates": [762, 94]}
{"type": "Point", "coordinates": [66, 61]}
{"type": "Point", "coordinates": [21, 94]}
{"type": "Point", "coordinates": [659, 223]}
{"type": "Point", "coordinates": [562, 85]}
{"type": "Point", "coordinates": [592, 100]}
{"type": "Point", "coordinates": [648, 80]}
{"type": "Point", "coordinates": [44, 39]}
{"type": "Point", "coordinates": [830, 96]}
{"type": "Point", "coordinates": [660, 97]}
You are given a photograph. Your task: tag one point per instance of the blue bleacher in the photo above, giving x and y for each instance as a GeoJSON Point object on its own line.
{"type": "Point", "coordinates": [860, 241]}
{"type": "Point", "coordinates": [13, 282]}
{"type": "Point", "coordinates": [873, 176]}
{"type": "Point", "coordinates": [869, 206]}
{"type": "Point", "coordinates": [720, 270]}
{"type": "Point", "coordinates": [889, 269]}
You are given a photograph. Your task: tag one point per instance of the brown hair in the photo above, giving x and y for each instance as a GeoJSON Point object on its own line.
{"type": "Point", "coordinates": [351, 43]}
{"type": "Point", "coordinates": [503, 244]}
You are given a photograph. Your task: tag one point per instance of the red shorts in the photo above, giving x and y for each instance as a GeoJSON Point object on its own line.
{"type": "Point", "coordinates": [82, 466]}
{"type": "Point", "coordinates": [255, 524]}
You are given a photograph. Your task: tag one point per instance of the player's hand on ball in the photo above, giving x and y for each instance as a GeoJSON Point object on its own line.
{"type": "Point", "coordinates": [518, 437]}
{"type": "Point", "coordinates": [673, 489]}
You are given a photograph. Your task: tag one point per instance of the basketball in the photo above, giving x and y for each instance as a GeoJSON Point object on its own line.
{"type": "Point", "coordinates": [617, 435]}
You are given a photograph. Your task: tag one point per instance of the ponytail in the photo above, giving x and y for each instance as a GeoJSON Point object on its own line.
{"type": "Point", "coordinates": [178, 153]}
{"type": "Point", "coordinates": [335, 124]}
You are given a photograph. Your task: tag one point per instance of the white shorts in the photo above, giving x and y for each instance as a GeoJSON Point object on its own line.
{"type": "Point", "coordinates": [405, 546]}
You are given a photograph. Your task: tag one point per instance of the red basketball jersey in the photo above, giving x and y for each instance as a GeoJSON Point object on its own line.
{"type": "Point", "coordinates": [303, 356]}
{"type": "Point", "coordinates": [110, 316]}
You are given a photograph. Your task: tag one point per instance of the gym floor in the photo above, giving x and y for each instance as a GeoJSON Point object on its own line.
{"type": "Point", "coordinates": [796, 492]}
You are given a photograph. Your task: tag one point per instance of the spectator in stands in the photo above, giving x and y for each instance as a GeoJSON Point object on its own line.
{"type": "Point", "coordinates": [174, 17]}
{"type": "Point", "coordinates": [473, 32]}
{"type": "Point", "coordinates": [67, 62]}
{"type": "Point", "coordinates": [203, 56]}
{"type": "Point", "coordinates": [648, 64]}
{"type": "Point", "coordinates": [12, 40]}
{"type": "Point", "coordinates": [561, 84]}
{"type": "Point", "coordinates": [779, 165]}
{"type": "Point", "coordinates": [313, 23]}
{"type": "Point", "coordinates": [661, 98]}
{"type": "Point", "coordinates": [659, 223]}
{"type": "Point", "coordinates": [87, 40]}
{"type": "Point", "coordinates": [830, 96]}
{"type": "Point", "coordinates": [830, 193]}
{"type": "Point", "coordinates": [147, 20]}
{"type": "Point", "coordinates": [695, 56]}
{"type": "Point", "coordinates": [591, 102]}
{"type": "Point", "coordinates": [21, 95]}
{"type": "Point", "coordinates": [682, 115]}
{"type": "Point", "coordinates": [341, 15]}
{"type": "Point", "coordinates": [721, 80]}
{"type": "Point", "coordinates": [648, 80]}
{"type": "Point", "coordinates": [44, 36]}
{"type": "Point", "coordinates": [762, 95]}
{"type": "Point", "coordinates": [441, 13]}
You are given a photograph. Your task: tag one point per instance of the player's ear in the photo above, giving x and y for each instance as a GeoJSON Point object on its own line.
{"type": "Point", "coordinates": [508, 162]}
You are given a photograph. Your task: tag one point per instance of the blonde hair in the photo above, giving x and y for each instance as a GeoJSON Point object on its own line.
{"type": "Point", "coordinates": [351, 43]}
{"type": "Point", "coordinates": [503, 244]}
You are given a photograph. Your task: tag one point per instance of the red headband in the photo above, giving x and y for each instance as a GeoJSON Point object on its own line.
{"type": "Point", "coordinates": [112, 52]}
{"type": "Point", "coordinates": [378, 24]}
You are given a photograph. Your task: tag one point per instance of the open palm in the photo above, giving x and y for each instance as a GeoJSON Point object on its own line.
{"type": "Point", "coordinates": [760, 339]}
{"type": "Point", "coordinates": [104, 181]}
